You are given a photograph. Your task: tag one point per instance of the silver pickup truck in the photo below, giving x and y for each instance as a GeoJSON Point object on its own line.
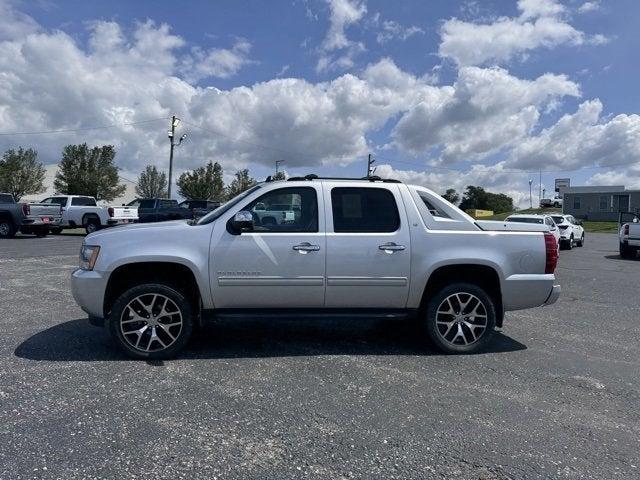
{"type": "Point", "coordinates": [358, 247]}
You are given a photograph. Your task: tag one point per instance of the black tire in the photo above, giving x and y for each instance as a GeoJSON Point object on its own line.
{"type": "Point", "coordinates": [91, 225]}
{"type": "Point", "coordinates": [569, 244]}
{"type": "Point", "coordinates": [181, 337]}
{"type": "Point", "coordinates": [626, 251]}
{"type": "Point", "coordinates": [556, 205]}
{"type": "Point", "coordinates": [55, 230]}
{"type": "Point", "coordinates": [7, 228]}
{"type": "Point", "coordinates": [436, 331]}
{"type": "Point", "coordinates": [580, 243]}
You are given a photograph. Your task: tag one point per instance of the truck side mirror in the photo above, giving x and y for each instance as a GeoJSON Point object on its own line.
{"type": "Point", "coordinates": [243, 220]}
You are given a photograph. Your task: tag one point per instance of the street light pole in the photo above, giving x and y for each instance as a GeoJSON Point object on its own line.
{"type": "Point", "coordinates": [530, 198]}
{"type": "Point", "coordinates": [171, 135]}
{"type": "Point", "coordinates": [278, 162]}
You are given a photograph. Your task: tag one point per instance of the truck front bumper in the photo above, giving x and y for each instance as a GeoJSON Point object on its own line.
{"type": "Point", "coordinates": [88, 288]}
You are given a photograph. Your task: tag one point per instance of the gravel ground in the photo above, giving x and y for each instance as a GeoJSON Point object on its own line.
{"type": "Point", "coordinates": [556, 397]}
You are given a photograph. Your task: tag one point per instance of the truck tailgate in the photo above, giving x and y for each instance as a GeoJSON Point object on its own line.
{"type": "Point", "coordinates": [125, 213]}
{"type": "Point", "coordinates": [44, 210]}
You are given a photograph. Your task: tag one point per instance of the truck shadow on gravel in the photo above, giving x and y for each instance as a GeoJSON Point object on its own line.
{"type": "Point", "coordinates": [77, 340]}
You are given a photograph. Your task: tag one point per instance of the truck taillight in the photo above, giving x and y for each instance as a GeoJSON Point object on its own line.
{"type": "Point", "coordinates": [551, 248]}
{"type": "Point", "coordinates": [626, 229]}
{"type": "Point", "coordinates": [26, 209]}
{"type": "Point", "coordinates": [110, 210]}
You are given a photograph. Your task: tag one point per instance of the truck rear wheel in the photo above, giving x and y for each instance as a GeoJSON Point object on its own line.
{"type": "Point", "coordinates": [91, 225]}
{"type": "Point", "coordinates": [626, 251]}
{"type": "Point", "coordinates": [151, 321]}
{"type": "Point", "coordinates": [7, 230]}
{"type": "Point", "coordinates": [461, 318]}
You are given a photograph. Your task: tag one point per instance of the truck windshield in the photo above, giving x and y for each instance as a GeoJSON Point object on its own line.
{"type": "Point", "coordinates": [6, 198]}
{"type": "Point", "coordinates": [211, 216]}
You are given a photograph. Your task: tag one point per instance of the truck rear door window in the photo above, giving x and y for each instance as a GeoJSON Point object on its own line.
{"type": "Point", "coordinates": [370, 210]}
{"type": "Point", "coordinates": [83, 202]}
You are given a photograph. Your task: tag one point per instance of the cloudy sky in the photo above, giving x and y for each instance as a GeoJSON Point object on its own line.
{"type": "Point", "coordinates": [442, 93]}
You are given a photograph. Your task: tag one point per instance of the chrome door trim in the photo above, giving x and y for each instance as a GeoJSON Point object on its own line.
{"type": "Point", "coordinates": [270, 281]}
{"type": "Point", "coordinates": [347, 281]}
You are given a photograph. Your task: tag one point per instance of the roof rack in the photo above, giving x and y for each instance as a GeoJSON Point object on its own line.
{"type": "Point", "coordinates": [370, 178]}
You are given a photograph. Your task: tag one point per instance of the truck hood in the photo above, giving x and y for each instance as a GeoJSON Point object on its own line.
{"type": "Point", "coordinates": [135, 228]}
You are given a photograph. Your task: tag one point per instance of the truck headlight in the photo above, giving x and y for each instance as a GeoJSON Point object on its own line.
{"type": "Point", "coordinates": [88, 256]}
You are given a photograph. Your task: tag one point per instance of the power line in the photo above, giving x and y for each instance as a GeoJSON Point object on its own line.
{"type": "Point", "coordinates": [82, 129]}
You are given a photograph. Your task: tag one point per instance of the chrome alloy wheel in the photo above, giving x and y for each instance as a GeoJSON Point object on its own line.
{"type": "Point", "coordinates": [151, 322]}
{"type": "Point", "coordinates": [5, 228]}
{"type": "Point", "coordinates": [461, 319]}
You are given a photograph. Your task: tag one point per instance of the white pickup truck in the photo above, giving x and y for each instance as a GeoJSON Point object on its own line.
{"type": "Point", "coordinates": [83, 211]}
{"type": "Point", "coordinates": [359, 247]}
{"type": "Point", "coordinates": [629, 234]}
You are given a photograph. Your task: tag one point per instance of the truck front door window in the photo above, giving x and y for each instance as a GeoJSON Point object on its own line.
{"type": "Point", "coordinates": [285, 210]}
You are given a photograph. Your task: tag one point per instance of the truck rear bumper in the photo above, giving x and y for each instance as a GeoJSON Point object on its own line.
{"type": "Point", "coordinates": [529, 290]}
{"type": "Point", "coordinates": [88, 289]}
{"type": "Point", "coordinates": [40, 222]}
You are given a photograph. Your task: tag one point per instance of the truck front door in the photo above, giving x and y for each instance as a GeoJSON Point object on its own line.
{"type": "Point", "coordinates": [368, 246]}
{"type": "Point", "coordinates": [277, 264]}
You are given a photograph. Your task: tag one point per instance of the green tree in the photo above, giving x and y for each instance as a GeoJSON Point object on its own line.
{"type": "Point", "coordinates": [88, 171]}
{"type": "Point", "coordinates": [21, 173]}
{"type": "Point", "coordinates": [279, 176]}
{"type": "Point", "coordinates": [240, 183]}
{"type": "Point", "coordinates": [451, 196]}
{"type": "Point", "coordinates": [152, 183]}
{"type": "Point", "coordinates": [479, 198]}
{"type": "Point", "coordinates": [203, 183]}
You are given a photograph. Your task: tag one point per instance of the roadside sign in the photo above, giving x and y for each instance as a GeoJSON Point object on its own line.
{"type": "Point", "coordinates": [562, 183]}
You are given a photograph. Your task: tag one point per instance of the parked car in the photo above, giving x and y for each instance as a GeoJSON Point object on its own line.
{"type": "Point", "coordinates": [359, 247]}
{"type": "Point", "coordinates": [556, 202]}
{"type": "Point", "coordinates": [629, 234]}
{"type": "Point", "coordinates": [83, 211]}
{"type": "Point", "coordinates": [199, 208]}
{"type": "Point", "coordinates": [571, 231]}
{"type": "Point", "coordinates": [533, 219]}
{"type": "Point", "coordinates": [159, 210]}
{"type": "Point", "coordinates": [28, 218]}
{"type": "Point", "coordinates": [276, 213]}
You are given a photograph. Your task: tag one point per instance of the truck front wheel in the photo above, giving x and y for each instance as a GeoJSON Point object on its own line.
{"type": "Point", "coordinates": [7, 230]}
{"type": "Point", "coordinates": [626, 251]}
{"type": "Point", "coordinates": [151, 321]}
{"type": "Point", "coordinates": [461, 318]}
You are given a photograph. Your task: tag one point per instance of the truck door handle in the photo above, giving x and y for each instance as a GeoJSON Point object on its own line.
{"type": "Point", "coordinates": [306, 247]}
{"type": "Point", "coordinates": [391, 247]}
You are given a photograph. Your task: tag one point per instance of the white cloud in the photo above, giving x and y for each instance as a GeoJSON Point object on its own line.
{"type": "Point", "coordinates": [582, 139]}
{"type": "Point", "coordinates": [217, 62]}
{"type": "Point", "coordinates": [14, 24]}
{"type": "Point", "coordinates": [484, 111]}
{"type": "Point", "coordinates": [391, 30]}
{"type": "Point", "coordinates": [541, 24]}
{"type": "Point", "coordinates": [589, 7]}
{"type": "Point", "coordinates": [337, 51]}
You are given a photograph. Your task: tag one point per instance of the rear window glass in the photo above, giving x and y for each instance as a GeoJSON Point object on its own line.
{"type": "Point", "coordinates": [364, 210]}
{"type": "Point", "coordinates": [147, 204]}
{"type": "Point", "coordinates": [525, 220]}
{"type": "Point", "coordinates": [83, 201]}
{"type": "Point", "coordinates": [6, 198]}
{"type": "Point", "coordinates": [558, 219]}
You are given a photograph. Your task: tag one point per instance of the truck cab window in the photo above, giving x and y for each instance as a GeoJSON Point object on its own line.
{"type": "Point", "coordinates": [364, 210]}
{"type": "Point", "coordinates": [292, 209]}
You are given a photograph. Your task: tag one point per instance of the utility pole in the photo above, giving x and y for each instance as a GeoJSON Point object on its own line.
{"type": "Point", "coordinates": [370, 162]}
{"type": "Point", "coordinates": [175, 121]}
{"type": "Point", "coordinates": [278, 162]}
{"type": "Point", "coordinates": [540, 189]}
{"type": "Point", "coordinates": [530, 198]}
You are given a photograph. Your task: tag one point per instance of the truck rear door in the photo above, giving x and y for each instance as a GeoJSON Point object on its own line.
{"type": "Point", "coordinates": [368, 246]}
